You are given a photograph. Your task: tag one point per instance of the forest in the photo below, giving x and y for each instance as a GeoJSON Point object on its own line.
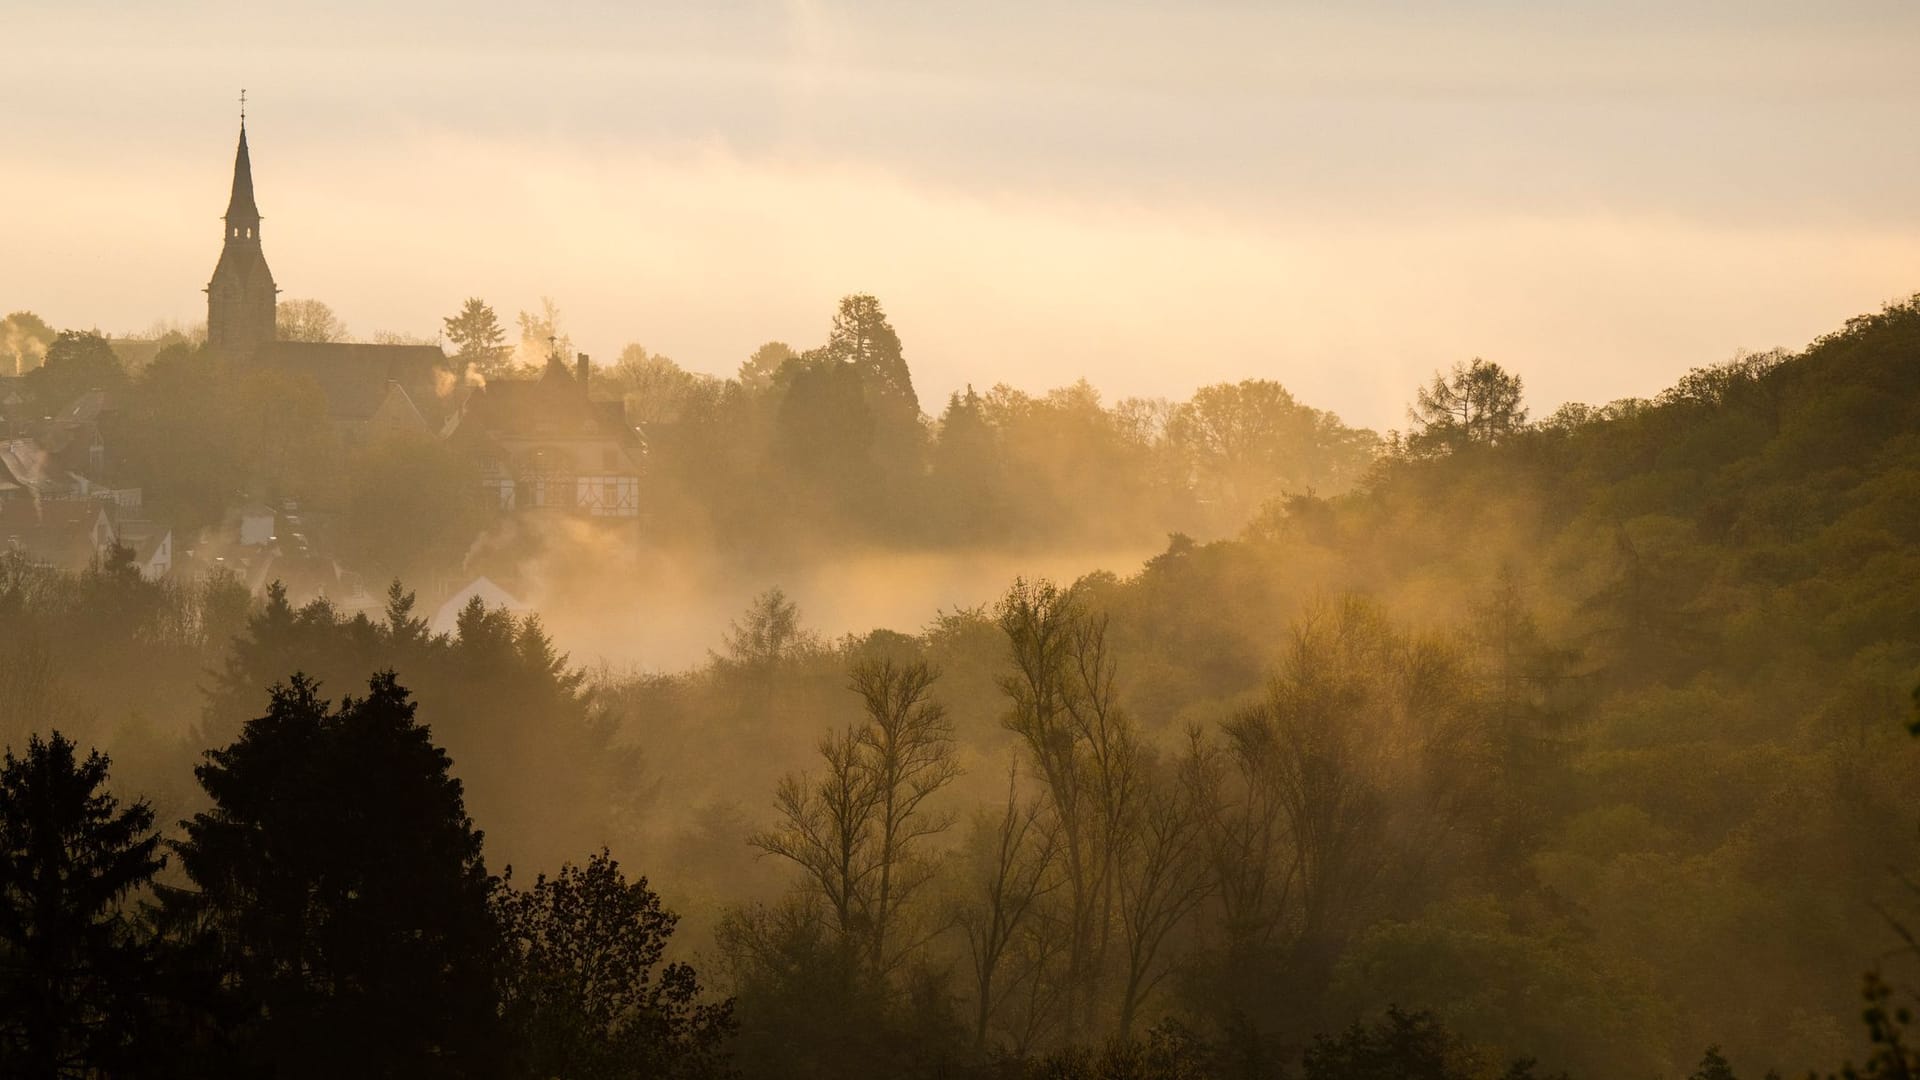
{"type": "Point", "coordinates": [1577, 746]}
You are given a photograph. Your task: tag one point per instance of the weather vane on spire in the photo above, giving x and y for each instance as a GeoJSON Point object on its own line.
{"type": "Point", "coordinates": [243, 106]}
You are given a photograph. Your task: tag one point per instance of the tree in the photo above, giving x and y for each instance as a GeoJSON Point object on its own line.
{"type": "Point", "coordinates": [479, 341]}
{"type": "Point", "coordinates": [826, 829]}
{"type": "Point", "coordinates": [1162, 878]}
{"type": "Point", "coordinates": [856, 830]}
{"type": "Point", "coordinates": [410, 506]}
{"type": "Point", "coordinates": [863, 337]}
{"type": "Point", "coordinates": [864, 343]}
{"type": "Point", "coordinates": [340, 881]}
{"type": "Point", "coordinates": [307, 320]}
{"type": "Point", "coordinates": [74, 967]}
{"type": "Point", "coordinates": [583, 990]}
{"type": "Point", "coordinates": [198, 433]}
{"type": "Point", "coordinates": [1400, 1046]}
{"type": "Point", "coordinates": [1476, 404]}
{"type": "Point", "coordinates": [654, 388]}
{"type": "Point", "coordinates": [1250, 441]}
{"type": "Point", "coordinates": [1062, 688]}
{"type": "Point", "coordinates": [757, 371]}
{"type": "Point", "coordinates": [1713, 1066]}
{"type": "Point", "coordinates": [541, 337]}
{"type": "Point", "coordinates": [968, 470]}
{"type": "Point", "coordinates": [826, 436]}
{"type": "Point", "coordinates": [1014, 853]}
{"type": "Point", "coordinates": [76, 362]}
{"type": "Point", "coordinates": [769, 633]}
{"type": "Point", "coordinates": [909, 756]}
{"type": "Point", "coordinates": [400, 337]}
{"type": "Point", "coordinates": [24, 338]}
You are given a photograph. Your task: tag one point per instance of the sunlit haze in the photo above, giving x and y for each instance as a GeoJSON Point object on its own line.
{"type": "Point", "coordinates": [1596, 196]}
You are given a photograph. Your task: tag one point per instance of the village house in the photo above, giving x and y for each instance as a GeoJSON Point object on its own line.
{"type": "Point", "coordinates": [67, 534]}
{"type": "Point", "coordinates": [542, 445]}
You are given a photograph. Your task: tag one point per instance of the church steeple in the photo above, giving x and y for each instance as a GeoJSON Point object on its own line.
{"type": "Point", "coordinates": [242, 214]}
{"type": "Point", "coordinates": [241, 297]}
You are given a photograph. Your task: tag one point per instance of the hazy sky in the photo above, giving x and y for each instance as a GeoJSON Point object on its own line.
{"type": "Point", "coordinates": [1340, 197]}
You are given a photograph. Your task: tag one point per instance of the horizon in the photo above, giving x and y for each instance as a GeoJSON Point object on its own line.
{"type": "Point", "coordinates": [1327, 201]}
{"type": "Point", "coordinates": [1428, 584]}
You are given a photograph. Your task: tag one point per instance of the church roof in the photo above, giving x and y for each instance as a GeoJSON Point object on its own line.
{"type": "Point", "coordinates": [241, 204]}
{"type": "Point", "coordinates": [356, 378]}
{"type": "Point", "coordinates": [243, 265]}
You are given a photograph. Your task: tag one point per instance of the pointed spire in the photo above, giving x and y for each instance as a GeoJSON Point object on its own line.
{"type": "Point", "coordinates": [240, 209]}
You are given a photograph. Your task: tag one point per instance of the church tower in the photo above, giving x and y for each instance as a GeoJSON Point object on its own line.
{"type": "Point", "coordinates": [240, 298]}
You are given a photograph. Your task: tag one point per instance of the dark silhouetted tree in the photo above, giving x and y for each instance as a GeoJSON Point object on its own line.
{"type": "Point", "coordinates": [1399, 1046]}
{"type": "Point", "coordinates": [1012, 854]}
{"type": "Point", "coordinates": [75, 968]}
{"type": "Point", "coordinates": [341, 883]}
{"type": "Point", "coordinates": [583, 989]}
{"type": "Point", "coordinates": [76, 362]}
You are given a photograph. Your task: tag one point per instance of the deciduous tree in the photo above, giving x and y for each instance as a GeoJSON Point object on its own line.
{"type": "Point", "coordinates": [307, 320]}
{"type": "Point", "coordinates": [584, 991]}
{"type": "Point", "coordinates": [1476, 404]}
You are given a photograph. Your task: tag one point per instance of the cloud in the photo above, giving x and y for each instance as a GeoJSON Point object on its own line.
{"type": "Point", "coordinates": [1599, 196]}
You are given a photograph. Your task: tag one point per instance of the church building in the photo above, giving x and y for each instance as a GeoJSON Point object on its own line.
{"type": "Point", "coordinates": [371, 389]}
{"type": "Point", "coordinates": [241, 296]}
{"type": "Point", "coordinates": [538, 445]}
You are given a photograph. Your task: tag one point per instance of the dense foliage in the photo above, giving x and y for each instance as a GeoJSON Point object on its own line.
{"type": "Point", "coordinates": [1575, 746]}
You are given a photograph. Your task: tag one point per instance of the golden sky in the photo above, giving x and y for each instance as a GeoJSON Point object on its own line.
{"type": "Point", "coordinates": [1597, 196]}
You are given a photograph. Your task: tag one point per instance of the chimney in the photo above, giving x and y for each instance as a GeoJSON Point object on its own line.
{"type": "Point", "coordinates": [582, 369]}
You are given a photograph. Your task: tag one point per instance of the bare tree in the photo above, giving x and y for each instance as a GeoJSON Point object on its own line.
{"type": "Point", "coordinates": [1065, 710]}
{"type": "Point", "coordinates": [854, 830]}
{"type": "Point", "coordinates": [827, 830]}
{"type": "Point", "coordinates": [1162, 879]}
{"type": "Point", "coordinates": [1013, 878]}
{"type": "Point", "coordinates": [1243, 835]}
{"type": "Point", "coordinates": [307, 320]}
{"type": "Point", "coordinates": [1324, 730]}
{"type": "Point", "coordinates": [907, 755]}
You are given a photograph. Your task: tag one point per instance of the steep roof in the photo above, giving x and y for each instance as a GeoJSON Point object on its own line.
{"type": "Point", "coordinates": [28, 464]}
{"type": "Point", "coordinates": [355, 377]}
{"type": "Point", "coordinates": [144, 537]}
{"type": "Point", "coordinates": [59, 532]}
{"type": "Point", "coordinates": [244, 265]}
{"type": "Point", "coordinates": [136, 353]}
{"type": "Point", "coordinates": [547, 407]}
{"type": "Point", "coordinates": [241, 206]}
{"type": "Point", "coordinates": [87, 407]}
{"type": "Point", "coordinates": [446, 618]}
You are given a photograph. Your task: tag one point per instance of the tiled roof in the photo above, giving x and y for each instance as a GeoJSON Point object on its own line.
{"type": "Point", "coordinates": [354, 377]}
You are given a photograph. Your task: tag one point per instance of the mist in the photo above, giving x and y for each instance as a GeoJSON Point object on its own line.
{"type": "Point", "coordinates": [810, 540]}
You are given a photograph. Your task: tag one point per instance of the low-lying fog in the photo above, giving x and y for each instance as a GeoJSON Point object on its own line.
{"type": "Point", "coordinates": [671, 610]}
